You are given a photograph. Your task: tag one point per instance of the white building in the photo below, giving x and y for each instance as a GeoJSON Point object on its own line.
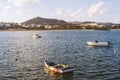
{"type": "Point", "coordinates": [5, 24]}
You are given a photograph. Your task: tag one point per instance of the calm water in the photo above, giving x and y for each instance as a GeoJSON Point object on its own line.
{"type": "Point", "coordinates": [21, 56]}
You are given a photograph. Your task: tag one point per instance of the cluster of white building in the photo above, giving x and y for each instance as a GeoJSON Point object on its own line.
{"type": "Point", "coordinates": [46, 26]}
{"type": "Point", "coordinates": [57, 26]}
{"type": "Point", "coordinates": [3, 24]}
{"type": "Point", "coordinates": [96, 24]}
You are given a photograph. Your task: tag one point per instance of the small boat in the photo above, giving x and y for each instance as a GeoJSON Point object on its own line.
{"type": "Point", "coordinates": [58, 76]}
{"type": "Point", "coordinates": [96, 43]}
{"type": "Point", "coordinates": [58, 68]}
{"type": "Point", "coordinates": [36, 36]}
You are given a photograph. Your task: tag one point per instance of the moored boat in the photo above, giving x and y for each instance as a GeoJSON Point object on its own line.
{"type": "Point", "coordinates": [36, 36]}
{"type": "Point", "coordinates": [58, 68]}
{"type": "Point", "coordinates": [107, 44]}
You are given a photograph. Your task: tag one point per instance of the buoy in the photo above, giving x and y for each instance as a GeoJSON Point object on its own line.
{"type": "Point", "coordinates": [115, 51]}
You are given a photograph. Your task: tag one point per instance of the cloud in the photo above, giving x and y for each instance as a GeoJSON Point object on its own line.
{"type": "Point", "coordinates": [116, 21]}
{"type": "Point", "coordinates": [68, 10]}
{"type": "Point", "coordinates": [1, 4]}
{"type": "Point", "coordinates": [21, 3]}
{"type": "Point", "coordinates": [116, 18]}
{"type": "Point", "coordinates": [19, 12]}
{"type": "Point", "coordinates": [58, 12]}
{"type": "Point", "coordinates": [76, 14]}
{"type": "Point", "coordinates": [4, 9]}
{"type": "Point", "coordinates": [97, 9]}
{"type": "Point", "coordinates": [8, 11]}
{"type": "Point", "coordinates": [7, 7]}
{"type": "Point", "coordinates": [68, 13]}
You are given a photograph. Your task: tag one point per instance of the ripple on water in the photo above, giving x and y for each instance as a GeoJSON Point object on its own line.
{"type": "Point", "coordinates": [21, 56]}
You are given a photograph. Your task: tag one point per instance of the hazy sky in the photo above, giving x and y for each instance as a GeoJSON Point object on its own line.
{"type": "Point", "coordinates": [68, 10]}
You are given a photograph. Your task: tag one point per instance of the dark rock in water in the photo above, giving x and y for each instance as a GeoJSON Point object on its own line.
{"type": "Point", "coordinates": [16, 59]}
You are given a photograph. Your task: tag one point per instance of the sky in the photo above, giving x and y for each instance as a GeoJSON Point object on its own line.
{"type": "Point", "coordinates": [68, 10]}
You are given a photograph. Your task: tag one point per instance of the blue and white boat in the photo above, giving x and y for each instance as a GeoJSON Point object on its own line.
{"type": "Point", "coordinates": [102, 44]}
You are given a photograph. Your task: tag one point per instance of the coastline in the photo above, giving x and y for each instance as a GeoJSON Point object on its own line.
{"type": "Point", "coordinates": [55, 29]}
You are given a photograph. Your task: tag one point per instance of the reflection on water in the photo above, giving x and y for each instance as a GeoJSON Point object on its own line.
{"type": "Point", "coordinates": [58, 76]}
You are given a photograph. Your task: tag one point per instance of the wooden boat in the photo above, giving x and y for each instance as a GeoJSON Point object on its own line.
{"type": "Point", "coordinates": [58, 68]}
{"type": "Point", "coordinates": [103, 44]}
{"type": "Point", "coordinates": [36, 36]}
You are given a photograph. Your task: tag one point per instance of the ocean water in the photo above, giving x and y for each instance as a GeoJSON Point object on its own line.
{"type": "Point", "coordinates": [21, 56]}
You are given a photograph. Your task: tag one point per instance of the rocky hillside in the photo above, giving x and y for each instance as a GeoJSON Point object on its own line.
{"type": "Point", "coordinates": [39, 20]}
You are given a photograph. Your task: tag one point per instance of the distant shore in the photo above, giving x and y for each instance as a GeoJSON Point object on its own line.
{"type": "Point", "coordinates": [55, 29]}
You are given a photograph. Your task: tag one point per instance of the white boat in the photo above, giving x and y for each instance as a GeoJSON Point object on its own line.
{"type": "Point", "coordinates": [36, 36]}
{"type": "Point", "coordinates": [99, 43]}
{"type": "Point", "coordinates": [58, 68]}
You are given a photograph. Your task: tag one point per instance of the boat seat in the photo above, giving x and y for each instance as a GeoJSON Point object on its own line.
{"type": "Point", "coordinates": [61, 66]}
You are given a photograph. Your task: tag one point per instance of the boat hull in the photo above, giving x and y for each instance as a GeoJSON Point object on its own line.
{"type": "Point", "coordinates": [102, 44]}
{"type": "Point", "coordinates": [36, 36]}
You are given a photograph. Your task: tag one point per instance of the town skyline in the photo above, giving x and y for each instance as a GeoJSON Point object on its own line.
{"type": "Point", "coordinates": [39, 23]}
{"type": "Point", "coordinates": [83, 10]}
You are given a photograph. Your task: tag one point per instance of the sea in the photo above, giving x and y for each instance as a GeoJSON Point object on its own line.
{"type": "Point", "coordinates": [22, 56]}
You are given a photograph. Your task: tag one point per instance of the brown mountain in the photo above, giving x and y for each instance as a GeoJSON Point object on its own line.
{"type": "Point", "coordinates": [39, 20]}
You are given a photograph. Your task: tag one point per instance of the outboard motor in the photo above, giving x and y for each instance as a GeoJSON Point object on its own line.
{"type": "Point", "coordinates": [109, 43]}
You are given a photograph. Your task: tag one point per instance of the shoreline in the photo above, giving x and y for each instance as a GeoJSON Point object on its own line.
{"type": "Point", "coordinates": [56, 30]}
